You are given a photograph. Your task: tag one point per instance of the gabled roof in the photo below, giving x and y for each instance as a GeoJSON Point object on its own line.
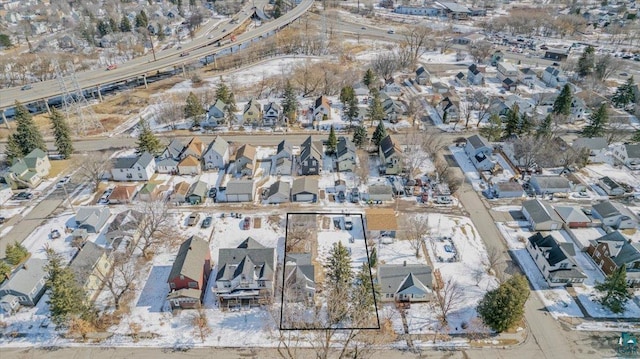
{"type": "Point", "coordinates": [252, 104]}
{"type": "Point", "coordinates": [167, 162]}
{"type": "Point", "coordinates": [421, 70]}
{"type": "Point", "coordinates": [250, 243]}
{"type": "Point", "coordinates": [389, 147]}
{"type": "Point", "coordinates": [239, 186]}
{"type": "Point", "coordinates": [572, 214]}
{"type": "Point", "coordinates": [345, 146]}
{"type": "Point", "coordinates": [609, 182]}
{"type": "Point", "coordinates": [174, 148]}
{"type": "Point", "coordinates": [540, 212]}
{"type": "Point", "coordinates": [128, 162]}
{"type": "Point", "coordinates": [272, 106]}
{"type": "Point", "coordinates": [460, 75]}
{"type": "Point", "coordinates": [149, 188]}
{"type": "Point", "coordinates": [411, 284]}
{"type": "Point", "coordinates": [551, 181]}
{"type": "Point", "coordinates": [246, 151]}
{"type": "Point", "coordinates": [181, 188]}
{"type": "Point", "coordinates": [606, 209]}
{"type": "Point", "coordinates": [279, 187]}
{"type": "Point", "coordinates": [125, 221]}
{"type": "Point", "coordinates": [284, 145]}
{"type": "Point", "coordinates": [190, 161]}
{"type": "Point", "coordinates": [322, 101]}
{"type": "Point", "coordinates": [84, 262]}
{"type": "Point", "coordinates": [219, 145]}
{"type": "Point", "coordinates": [304, 185]}
{"type": "Point", "coordinates": [311, 149]}
{"type": "Point", "coordinates": [554, 71]}
{"type": "Point", "coordinates": [393, 278]}
{"type": "Point", "coordinates": [195, 146]}
{"type": "Point", "coordinates": [122, 193]}
{"type": "Point", "coordinates": [633, 150]}
{"type": "Point", "coordinates": [33, 157]}
{"type": "Point", "coordinates": [557, 252]}
{"type": "Point", "coordinates": [477, 141]}
{"type": "Point", "coordinates": [27, 276]}
{"type": "Point", "coordinates": [474, 69]}
{"type": "Point", "coordinates": [199, 189]}
{"type": "Point", "coordinates": [219, 105]}
{"type": "Point", "coordinates": [250, 258]}
{"type": "Point", "coordinates": [595, 143]}
{"type": "Point", "coordinates": [507, 81]}
{"type": "Point", "coordinates": [92, 215]}
{"type": "Point", "coordinates": [190, 259]}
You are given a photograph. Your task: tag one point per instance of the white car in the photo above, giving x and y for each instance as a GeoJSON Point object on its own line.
{"type": "Point", "coordinates": [64, 180]}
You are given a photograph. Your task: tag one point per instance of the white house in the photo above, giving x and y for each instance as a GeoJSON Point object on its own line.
{"type": "Point", "coordinates": [554, 77]}
{"type": "Point", "coordinates": [597, 147]}
{"type": "Point", "coordinates": [555, 260]}
{"type": "Point", "coordinates": [610, 186]}
{"type": "Point", "coordinates": [507, 71]}
{"type": "Point", "coordinates": [217, 154]}
{"type": "Point", "coordinates": [321, 108]}
{"type": "Point", "coordinates": [475, 75]}
{"type": "Point", "coordinates": [479, 152]}
{"type": "Point", "coordinates": [615, 215]}
{"type": "Point", "coordinates": [550, 184]}
{"type": "Point", "coordinates": [627, 154]}
{"type": "Point", "coordinates": [139, 168]}
{"type": "Point", "coordinates": [271, 114]}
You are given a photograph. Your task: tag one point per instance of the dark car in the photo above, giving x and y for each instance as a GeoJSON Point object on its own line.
{"type": "Point", "coordinates": [207, 222]}
{"type": "Point", "coordinates": [246, 223]}
{"type": "Point", "coordinates": [213, 192]}
{"type": "Point", "coordinates": [341, 196]}
{"type": "Point", "coordinates": [26, 87]}
{"type": "Point", "coordinates": [184, 54]}
{"type": "Point", "coordinates": [2, 220]}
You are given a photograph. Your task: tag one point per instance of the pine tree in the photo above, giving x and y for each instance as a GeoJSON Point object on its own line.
{"type": "Point", "coordinates": [360, 136]}
{"type": "Point", "coordinates": [61, 133]}
{"type": "Point", "coordinates": [636, 137]}
{"type": "Point", "coordinates": [624, 94]}
{"type": "Point", "coordinates": [376, 111]}
{"type": "Point", "coordinates": [349, 103]}
{"type": "Point", "coordinates": [277, 9]}
{"type": "Point", "coordinates": [103, 28]}
{"type": "Point", "coordinates": [332, 141]}
{"type": "Point", "coordinates": [597, 123]}
{"type": "Point", "coordinates": [493, 130]}
{"type": "Point", "coordinates": [544, 128]}
{"type": "Point", "coordinates": [193, 108]}
{"type": "Point", "coordinates": [26, 138]}
{"type": "Point", "coordinates": [223, 92]}
{"type": "Point", "coordinates": [526, 125]}
{"type": "Point", "coordinates": [364, 289]}
{"type": "Point", "coordinates": [615, 291]}
{"type": "Point", "coordinates": [66, 298]}
{"type": "Point", "coordinates": [379, 134]}
{"type": "Point", "coordinates": [586, 62]}
{"type": "Point", "coordinates": [289, 102]}
{"type": "Point", "coordinates": [15, 253]}
{"type": "Point", "coordinates": [338, 266]}
{"type": "Point", "coordinates": [147, 140]}
{"type": "Point", "coordinates": [562, 104]}
{"type": "Point", "coordinates": [125, 24]}
{"type": "Point", "coordinates": [373, 258]}
{"type": "Point", "coordinates": [513, 121]}
{"type": "Point", "coordinates": [369, 78]}
{"type": "Point", "coordinates": [503, 307]}
{"type": "Point", "coordinates": [5, 271]}
{"type": "Point", "coordinates": [113, 25]}
{"type": "Point", "coordinates": [231, 109]}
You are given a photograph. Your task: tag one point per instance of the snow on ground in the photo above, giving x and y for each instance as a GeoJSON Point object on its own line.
{"type": "Point", "coordinates": [8, 212]}
{"type": "Point", "coordinates": [468, 168]}
{"type": "Point", "coordinates": [40, 238]}
{"type": "Point", "coordinates": [593, 172]}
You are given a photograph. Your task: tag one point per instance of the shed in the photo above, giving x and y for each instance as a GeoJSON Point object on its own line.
{"type": "Point", "coordinates": [509, 190]}
{"type": "Point", "coordinates": [380, 192]}
{"type": "Point", "coordinates": [197, 193]}
{"type": "Point", "coordinates": [240, 190]}
{"type": "Point", "coordinates": [278, 192]}
{"type": "Point", "coordinates": [304, 189]}
{"type": "Point", "coordinates": [550, 184]}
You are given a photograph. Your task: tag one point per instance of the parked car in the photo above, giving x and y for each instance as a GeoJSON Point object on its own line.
{"type": "Point", "coordinates": [348, 223]}
{"type": "Point", "coordinates": [246, 223]}
{"type": "Point", "coordinates": [112, 67]}
{"type": "Point", "coordinates": [213, 192]}
{"type": "Point", "coordinates": [184, 54]}
{"type": "Point", "coordinates": [443, 200]}
{"type": "Point", "coordinates": [64, 180]}
{"type": "Point", "coordinates": [425, 197]}
{"type": "Point", "coordinates": [26, 87]}
{"type": "Point", "coordinates": [207, 222]}
{"type": "Point", "coordinates": [22, 196]}
{"type": "Point", "coordinates": [54, 234]}
{"type": "Point", "coordinates": [2, 220]}
{"type": "Point", "coordinates": [341, 196]}
{"type": "Point", "coordinates": [193, 219]}
{"type": "Point", "coordinates": [391, 32]}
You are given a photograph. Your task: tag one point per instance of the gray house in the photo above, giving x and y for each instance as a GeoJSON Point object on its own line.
{"type": "Point", "coordinates": [541, 215]}
{"type": "Point", "coordinates": [278, 192]}
{"type": "Point", "coordinates": [555, 260]}
{"type": "Point", "coordinates": [508, 190]}
{"type": "Point", "coordinates": [550, 184]}
{"type": "Point", "coordinates": [299, 277]}
{"type": "Point", "coordinates": [422, 76]}
{"type": "Point", "coordinates": [615, 215]}
{"type": "Point", "coordinates": [92, 219]}
{"type": "Point", "coordinates": [479, 152]}
{"type": "Point", "coordinates": [304, 189]}
{"type": "Point", "coordinates": [217, 154]}
{"type": "Point", "coordinates": [271, 114]}
{"type": "Point", "coordinates": [25, 287]}
{"type": "Point", "coordinates": [197, 193]}
{"type": "Point", "coordinates": [380, 192]}
{"type": "Point", "coordinates": [310, 159]}
{"type": "Point", "coordinates": [597, 147]}
{"type": "Point", "coordinates": [610, 186]}
{"type": "Point", "coordinates": [216, 115]}
{"type": "Point", "coordinates": [345, 155]}
{"type": "Point", "coordinates": [240, 190]}
{"type": "Point", "coordinates": [405, 282]}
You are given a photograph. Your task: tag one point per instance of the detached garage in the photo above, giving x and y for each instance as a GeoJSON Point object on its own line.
{"type": "Point", "coordinates": [239, 190]}
{"type": "Point", "coordinates": [541, 216]}
{"type": "Point", "coordinates": [304, 189]}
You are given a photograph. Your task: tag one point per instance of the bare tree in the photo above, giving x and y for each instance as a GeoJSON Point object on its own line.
{"type": "Point", "coordinates": [481, 51]}
{"type": "Point", "coordinates": [414, 109]}
{"type": "Point", "coordinates": [449, 296]}
{"type": "Point", "coordinates": [155, 226]}
{"type": "Point", "coordinates": [606, 65]}
{"type": "Point", "coordinates": [201, 324]}
{"type": "Point", "coordinates": [495, 259]}
{"type": "Point", "coordinates": [413, 157]}
{"type": "Point", "coordinates": [414, 230]}
{"type": "Point", "coordinates": [120, 279]}
{"type": "Point", "coordinates": [307, 78]}
{"type": "Point", "coordinates": [527, 150]}
{"type": "Point", "coordinates": [170, 111]}
{"type": "Point", "coordinates": [418, 40]}
{"type": "Point", "coordinates": [432, 144]}
{"type": "Point", "coordinates": [444, 40]}
{"type": "Point", "coordinates": [385, 64]}
{"type": "Point", "coordinates": [362, 170]}
{"type": "Point", "coordinates": [466, 111]}
{"type": "Point", "coordinates": [617, 129]}
{"type": "Point", "coordinates": [93, 168]}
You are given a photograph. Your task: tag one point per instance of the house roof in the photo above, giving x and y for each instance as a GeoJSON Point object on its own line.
{"type": "Point", "coordinates": [606, 209]}
{"type": "Point", "coordinates": [128, 162]}
{"type": "Point", "coordinates": [246, 151]}
{"type": "Point", "coordinates": [304, 185]}
{"type": "Point", "coordinates": [174, 148]}
{"type": "Point", "coordinates": [554, 71]}
{"type": "Point", "coordinates": [239, 186]}
{"type": "Point", "coordinates": [322, 101]}
{"type": "Point", "coordinates": [572, 214]}
{"type": "Point", "coordinates": [123, 193]}
{"type": "Point", "coordinates": [540, 211]}
{"type": "Point", "coordinates": [389, 146]}
{"type": "Point", "coordinates": [199, 189]}
{"type": "Point", "coordinates": [27, 277]}
{"type": "Point", "coordinates": [84, 262]}
{"type": "Point", "coordinates": [149, 188]}
{"type": "Point", "coordinates": [381, 219]}
{"type": "Point", "coordinates": [195, 145]}
{"type": "Point", "coordinates": [181, 188]}
{"type": "Point", "coordinates": [190, 259]}
{"type": "Point", "coordinates": [609, 182]}
{"type": "Point", "coordinates": [185, 292]}
{"type": "Point", "coordinates": [557, 252]}
{"type": "Point", "coordinates": [124, 222]}
{"type": "Point", "coordinates": [249, 258]}
{"type": "Point", "coordinates": [380, 189]}
{"type": "Point", "coordinates": [552, 181]}
{"type": "Point", "coordinates": [272, 105]}
{"type": "Point", "coordinates": [509, 186]}
{"type": "Point", "coordinates": [311, 149]}
{"type": "Point", "coordinates": [421, 71]}
{"type": "Point", "coordinates": [252, 104]}
{"type": "Point", "coordinates": [345, 146]}
{"type": "Point", "coordinates": [474, 69]}
{"type": "Point", "coordinates": [279, 188]}
{"type": "Point", "coordinates": [167, 162]}
{"type": "Point", "coordinates": [219, 105]}
{"type": "Point", "coordinates": [189, 161]}
{"type": "Point", "coordinates": [393, 278]}
{"type": "Point", "coordinates": [92, 216]}
{"type": "Point", "coordinates": [33, 156]}
{"type": "Point", "coordinates": [595, 143]}
{"type": "Point", "coordinates": [284, 145]}
{"type": "Point", "coordinates": [478, 141]}
{"type": "Point", "coordinates": [633, 150]}
{"type": "Point", "coordinates": [412, 284]}
{"type": "Point", "coordinates": [507, 81]}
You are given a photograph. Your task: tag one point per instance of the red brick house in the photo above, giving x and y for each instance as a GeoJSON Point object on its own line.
{"type": "Point", "coordinates": [189, 274]}
{"type": "Point", "coordinates": [613, 250]}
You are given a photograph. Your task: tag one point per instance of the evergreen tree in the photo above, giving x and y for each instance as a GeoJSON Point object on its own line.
{"type": "Point", "coordinates": [360, 136]}
{"type": "Point", "coordinates": [373, 258]}
{"type": "Point", "coordinates": [144, 20]}
{"type": "Point", "coordinates": [526, 125]}
{"type": "Point", "coordinates": [338, 267]}
{"type": "Point", "coordinates": [231, 109]}
{"type": "Point", "coordinates": [376, 111]}
{"type": "Point", "coordinates": [125, 24]}
{"type": "Point", "coordinates": [586, 62]}
{"type": "Point", "coordinates": [193, 108]}
{"type": "Point", "coordinates": [513, 121]}
{"type": "Point", "coordinates": [562, 104]}
{"type": "Point", "coordinates": [61, 133]}
{"type": "Point", "coordinates": [349, 103]}
{"type": "Point", "coordinates": [379, 134]}
{"type": "Point", "coordinates": [113, 25]}
{"type": "Point", "coordinates": [503, 307]}
{"type": "Point", "coordinates": [597, 123]}
{"type": "Point", "coordinates": [223, 92]}
{"type": "Point", "coordinates": [289, 102]}
{"type": "Point", "coordinates": [15, 253]}
{"type": "Point", "coordinates": [624, 94]}
{"type": "Point", "coordinates": [147, 140]}
{"type": "Point", "coordinates": [544, 128]}
{"type": "Point", "coordinates": [369, 78]}
{"type": "Point", "coordinates": [615, 291]}
{"type": "Point", "coordinates": [364, 293]}
{"type": "Point", "coordinates": [332, 141]}
{"type": "Point", "coordinates": [26, 138]}
{"type": "Point", "coordinates": [66, 298]}
{"type": "Point", "coordinates": [103, 28]}
{"type": "Point", "coordinates": [5, 271]}
{"type": "Point", "coordinates": [636, 137]}
{"type": "Point", "coordinates": [5, 41]}
{"type": "Point", "coordinates": [493, 130]}
{"type": "Point", "coordinates": [277, 9]}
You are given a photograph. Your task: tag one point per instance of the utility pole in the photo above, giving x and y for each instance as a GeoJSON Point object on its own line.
{"type": "Point", "coordinates": [64, 187]}
{"type": "Point", "coordinates": [153, 50]}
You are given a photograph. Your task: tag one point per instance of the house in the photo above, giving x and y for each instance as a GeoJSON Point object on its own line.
{"type": "Point", "coordinates": [573, 217]}
{"type": "Point", "coordinates": [469, 39]}
{"type": "Point", "coordinates": [189, 274]}
{"type": "Point", "coordinates": [25, 287]}
{"type": "Point", "coordinates": [284, 150]}
{"type": "Point", "coordinates": [194, 148]}
{"type": "Point", "coordinates": [38, 162]}
{"type": "Point", "coordinates": [282, 167]}
{"type": "Point", "coordinates": [167, 165]}
{"type": "Point", "coordinates": [322, 109]}
{"type": "Point", "coordinates": [613, 250]}
{"type": "Point", "coordinates": [299, 277]}
{"type": "Point", "coordinates": [271, 114]}
{"type": "Point", "coordinates": [216, 114]}
{"type": "Point", "coordinates": [507, 70]}
{"type": "Point", "coordinates": [597, 147]}
{"type": "Point", "coordinates": [380, 221]}
{"type": "Point", "coordinates": [553, 76]}
{"type": "Point", "coordinates": [549, 184]}
{"type": "Point", "coordinates": [197, 193]}
{"type": "Point", "coordinates": [555, 260]}
{"type": "Point", "coordinates": [449, 109]}
{"type": "Point", "coordinates": [611, 187]}
{"type": "Point", "coordinates": [509, 189]}
{"type": "Point", "coordinates": [5, 193]}
{"type": "Point", "coordinates": [627, 154]}
{"type": "Point", "coordinates": [579, 108]}
{"type": "Point", "coordinates": [245, 274]}
{"type": "Point", "coordinates": [527, 76]}
{"type": "Point", "coordinates": [615, 215]}
{"type": "Point", "coordinates": [27, 172]}
{"type": "Point", "coordinates": [240, 190]}
{"type": "Point", "coordinates": [189, 165]}
{"type": "Point", "coordinates": [460, 78]}
{"type": "Point", "coordinates": [417, 10]}
{"type": "Point", "coordinates": [454, 10]}
{"type": "Point", "coordinates": [278, 192]}
{"type": "Point", "coordinates": [423, 77]}
{"type": "Point", "coordinates": [405, 282]}
{"type": "Point", "coordinates": [541, 216]}
{"type": "Point", "coordinates": [480, 152]}
{"type": "Point", "coordinates": [497, 58]}
{"type": "Point", "coordinates": [252, 113]}
{"type": "Point", "coordinates": [173, 150]}
{"type": "Point", "coordinates": [150, 192]}
{"type": "Point", "coordinates": [345, 155]}
{"type": "Point", "coordinates": [390, 154]}
{"type": "Point", "coordinates": [509, 85]}
{"type": "Point", "coordinates": [122, 194]}
{"type": "Point", "coordinates": [92, 219]}
{"type": "Point", "coordinates": [126, 226]}
{"type": "Point", "coordinates": [216, 155]}
{"type": "Point", "coordinates": [380, 192]}
{"type": "Point", "coordinates": [180, 191]}
{"type": "Point", "coordinates": [556, 54]}
{"type": "Point", "coordinates": [90, 265]}
{"type": "Point", "coordinates": [439, 88]}
{"type": "Point", "coordinates": [475, 75]}
{"type": "Point", "coordinates": [499, 107]}
{"type": "Point", "coordinates": [245, 160]}
{"type": "Point", "coordinates": [304, 189]}
{"type": "Point", "coordinates": [310, 159]}
{"type": "Point", "coordinates": [139, 168]}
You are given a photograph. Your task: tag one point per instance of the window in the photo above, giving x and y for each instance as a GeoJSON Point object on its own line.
{"type": "Point", "coordinates": [105, 265]}
{"type": "Point", "coordinates": [172, 285]}
{"type": "Point", "coordinates": [139, 175]}
{"type": "Point", "coordinates": [193, 284]}
{"type": "Point", "coordinates": [598, 254]}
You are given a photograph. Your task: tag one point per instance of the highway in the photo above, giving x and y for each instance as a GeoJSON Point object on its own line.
{"type": "Point", "coordinates": [169, 58]}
